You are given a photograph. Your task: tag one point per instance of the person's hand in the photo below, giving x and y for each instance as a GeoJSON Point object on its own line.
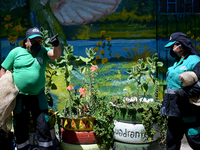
{"type": "Point", "coordinates": [54, 40]}
{"type": "Point", "coordinates": [163, 112]}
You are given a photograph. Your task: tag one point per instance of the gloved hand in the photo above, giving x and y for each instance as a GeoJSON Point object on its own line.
{"type": "Point", "coordinates": [180, 93]}
{"type": "Point", "coordinates": [163, 112]}
{"type": "Point", "coordinates": [54, 40]}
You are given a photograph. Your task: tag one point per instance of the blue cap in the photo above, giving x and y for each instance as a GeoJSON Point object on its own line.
{"type": "Point", "coordinates": [33, 32]}
{"type": "Point", "coordinates": [175, 37]}
{"type": "Point", "coordinates": [170, 44]}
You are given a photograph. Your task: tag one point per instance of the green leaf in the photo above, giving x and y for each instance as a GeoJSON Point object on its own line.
{"type": "Point", "coordinates": [58, 72]}
{"type": "Point", "coordinates": [53, 86]}
{"type": "Point", "coordinates": [61, 60]}
{"type": "Point", "coordinates": [153, 70]}
{"type": "Point", "coordinates": [48, 72]}
{"type": "Point", "coordinates": [144, 87]}
{"type": "Point", "coordinates": [82, 69]}
{"type": "Point", "coordinates": [146, 68]}
{"type": "Point", "coordinates": [52, 66]}
{"type": "Point", "coordinates": [155, 55]}
{"type": "Point", "coordinates": [138, 75]}
{"type": "Point", "coordinates": [86, 60]}
{"type": "Point", "coordinates": [149, 60]}
{"type": "Point", "coordinates": [130, 77]}
{"type": "Point", "coordinates": [140, 61]}
{"type": "Point", "coordinates": [129, 71]}
{"type": "Point", "coordinates": [159, 64]}
{"type": "Point", "coordinates": [142, 65]}
{"type": "Point", "coordinates": [70, 67]}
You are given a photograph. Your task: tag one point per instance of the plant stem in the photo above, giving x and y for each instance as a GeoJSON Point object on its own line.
{"type": "Point", "coordinates": [92, 94]}
{"type": "Point", "coordinates": [70, 105]}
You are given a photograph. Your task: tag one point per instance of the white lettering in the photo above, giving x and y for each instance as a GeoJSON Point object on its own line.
{"type": "Point", "coordinates": [39, 60]}
{"type": "Point", "coordinates": [183, 68]}
{"type": "Point", "coordinates": [35, 30]}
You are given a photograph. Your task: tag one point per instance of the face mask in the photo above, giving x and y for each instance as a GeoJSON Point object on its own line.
{"type": "Point", "coordinates": [179, 54]}
{"type": "Point", "coordinates": [35, 48]}
{"type": "Point", "coordinates": [176, 47]}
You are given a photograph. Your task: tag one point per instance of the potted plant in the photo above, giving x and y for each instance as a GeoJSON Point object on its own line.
{"type": "Point", "coordinates": [138, 118]}
{"type": "Point", "coordinates": [80, 101]}
{"type": "Point", "coordinates": [77, 118]}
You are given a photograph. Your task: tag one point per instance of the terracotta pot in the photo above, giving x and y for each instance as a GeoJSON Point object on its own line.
{"type": "Point", "coordinates": [77, 137]}
{"type": "Point", "coordinates": [78, 124]}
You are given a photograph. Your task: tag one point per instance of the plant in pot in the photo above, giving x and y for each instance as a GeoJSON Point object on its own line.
{"type": "Point", "coordinates": [78, 115]}
{"type": "Point", "coordinates": [77, 118]}
{"type": "Point", "coordinates": [80, 101]}
{"type": "Point", "coordinates": [138, 119]}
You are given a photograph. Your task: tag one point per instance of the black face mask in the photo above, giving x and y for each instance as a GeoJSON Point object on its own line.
{"type": "Point", "coordinates": [35, 48]}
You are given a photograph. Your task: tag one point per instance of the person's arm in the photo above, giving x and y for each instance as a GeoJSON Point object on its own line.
{"type": "Point", "coordinates": [56, 51]}
{"type": "Point", "coordinates": [194, 89]}
{"type": "Point", "coordinates": [2, 72]}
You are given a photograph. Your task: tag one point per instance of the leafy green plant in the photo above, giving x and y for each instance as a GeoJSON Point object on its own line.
{"type": "Point", "coordinates": [52, 69]}
{"type": "Point", "coordinates": [104, 122]}
{"type": "Point", "coordinates": [80, 102]}
{"type": "Point", "coordinates": [71, 65]}
{"type": "Point", "coordinates": [143, 73]}
{"type": "Point", "coordinates": [150, 116]}
{"type": "Point", "coordinates": [146, 71]}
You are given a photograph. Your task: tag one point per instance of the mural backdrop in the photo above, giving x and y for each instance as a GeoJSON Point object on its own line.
{"type": "Point", "coordinates": [120, 31]}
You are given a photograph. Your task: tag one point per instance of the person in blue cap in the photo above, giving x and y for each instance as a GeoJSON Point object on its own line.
{"type": "Point", "coordinates": [29, 64]}
{"type": "Point", "coordinates": [183, 117]}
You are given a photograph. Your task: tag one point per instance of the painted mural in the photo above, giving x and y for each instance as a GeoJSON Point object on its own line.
{"type": "Point", "coordinates": [119, 31]}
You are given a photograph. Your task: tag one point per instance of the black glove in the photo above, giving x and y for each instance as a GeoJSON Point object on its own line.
{"type": "Point", "coordinates": [163, 112]}
{"type": "Point", "coordinates": [54, 40]}
{"type": "Point", "coordinates": [180, 93]}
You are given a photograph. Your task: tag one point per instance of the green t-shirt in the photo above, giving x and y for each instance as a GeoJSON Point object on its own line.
{"type": "Point", "coordinates": [28, 71]}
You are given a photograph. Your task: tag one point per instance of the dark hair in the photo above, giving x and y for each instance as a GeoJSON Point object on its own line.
{"type": "Point", "coordinates": [184, 47]}
{"type": "Point", "coordinates": [24, 46]}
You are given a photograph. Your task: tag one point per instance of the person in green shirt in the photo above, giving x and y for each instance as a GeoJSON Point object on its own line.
{"type": "Point", "coordinates": [183, 116]}
{"type": "Point", "coordinates": [28, 64]}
